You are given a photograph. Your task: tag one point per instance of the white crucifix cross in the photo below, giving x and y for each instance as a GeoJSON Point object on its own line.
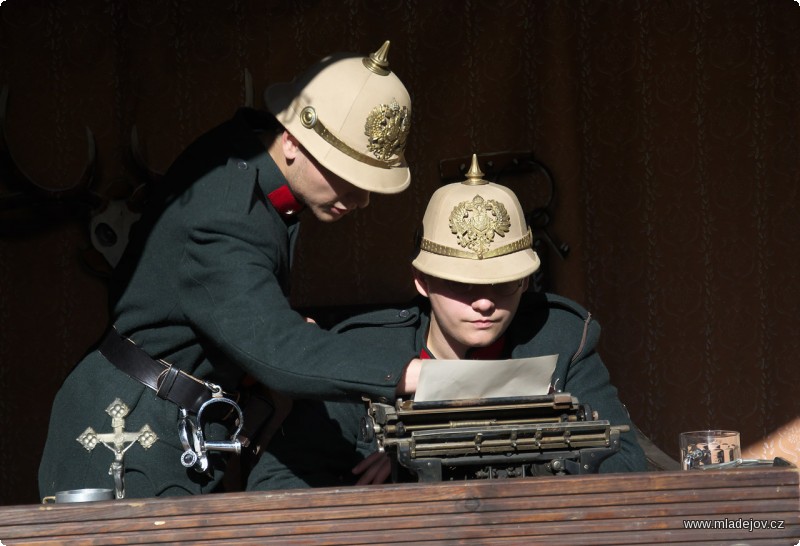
{"type": "Point", "coordinates": [118, 441]}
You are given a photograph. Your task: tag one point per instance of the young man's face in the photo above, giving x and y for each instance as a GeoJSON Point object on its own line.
{"type": "Point", "coordinates": [326, 195]}
{"type": "Point", "coordinates": [464, 316]}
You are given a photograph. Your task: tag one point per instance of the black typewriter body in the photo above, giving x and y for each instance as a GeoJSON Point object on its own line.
{"type": "Point", "coordinates": [493, 438]}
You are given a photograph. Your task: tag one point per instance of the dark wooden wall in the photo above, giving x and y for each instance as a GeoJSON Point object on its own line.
{"type": "Point", "coordinates": [670, 128]}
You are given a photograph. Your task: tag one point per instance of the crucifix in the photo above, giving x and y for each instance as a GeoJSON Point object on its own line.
{"type": "Point", "coordinates": [118, 441]}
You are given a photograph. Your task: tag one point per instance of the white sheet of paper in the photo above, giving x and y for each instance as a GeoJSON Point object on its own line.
{"type": "Point", "coordinates": [471, 379]}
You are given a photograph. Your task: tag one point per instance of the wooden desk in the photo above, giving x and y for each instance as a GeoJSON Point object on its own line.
{"type": "Point", "coordinates": [645, 508]}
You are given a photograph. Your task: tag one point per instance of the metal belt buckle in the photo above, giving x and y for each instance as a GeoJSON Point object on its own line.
{"type": "Point", "coordinates": [194, 443]}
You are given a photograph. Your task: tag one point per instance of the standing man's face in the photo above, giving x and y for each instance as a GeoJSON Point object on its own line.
{"type": "Point", "coordinates": [464, 316]}
{"type": "Point", "coordinates": [326, 195]}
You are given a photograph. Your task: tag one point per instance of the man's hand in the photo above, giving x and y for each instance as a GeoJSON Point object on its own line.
{"type": "Point", "coordinates": [408, 383]}
{"type": "Point", "coordinates": [374, 469]}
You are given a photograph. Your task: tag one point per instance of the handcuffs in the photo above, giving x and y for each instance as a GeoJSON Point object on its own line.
{"type": "Point", "coordinates": [190, 431]}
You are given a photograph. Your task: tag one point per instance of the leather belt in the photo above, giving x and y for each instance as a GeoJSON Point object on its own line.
{"type": "Point", "coordinates": [166, 380]}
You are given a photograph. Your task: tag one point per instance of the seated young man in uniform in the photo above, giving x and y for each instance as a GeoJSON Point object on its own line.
{"type": "Point", "coordinates": [473, 309]}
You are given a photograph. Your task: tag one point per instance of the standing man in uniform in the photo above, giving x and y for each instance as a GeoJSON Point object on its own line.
{"type": "Point", "coordinates": [472, 268]}
{"type": "Point", "coordinates": [200, 300]}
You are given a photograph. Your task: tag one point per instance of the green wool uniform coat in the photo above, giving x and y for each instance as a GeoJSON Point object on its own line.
{"type": "Point", "coordinates": [203, 285]}
{"type": "Point", "coordinates": [320, 442]}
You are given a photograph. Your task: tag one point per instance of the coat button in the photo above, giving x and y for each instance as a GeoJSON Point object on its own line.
{"type": "Point", "coordinates": [403, 314]}
{"type": "Point", "coordinates": [389, 376]}
{"type": "Point", "coordinates": [242, 165]}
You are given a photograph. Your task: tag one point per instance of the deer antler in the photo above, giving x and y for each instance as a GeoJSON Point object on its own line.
{"type": "Point", "coordinates": [36, 200]}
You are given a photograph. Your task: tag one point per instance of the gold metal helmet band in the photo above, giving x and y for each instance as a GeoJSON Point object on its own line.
{"type": "Point", "coordinates": [387, 128]}
{"type": "Point", "coordinates": [520, 244]}
{"type": "Point", "coordinates": [308, 117]}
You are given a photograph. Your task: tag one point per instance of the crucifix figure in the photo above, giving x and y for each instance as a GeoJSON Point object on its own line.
{"type": "Point", "coordinates": [118, 441]}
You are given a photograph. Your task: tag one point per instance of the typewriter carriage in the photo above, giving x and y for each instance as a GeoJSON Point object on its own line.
{"type": "Point", "coordinates": [490, 438]}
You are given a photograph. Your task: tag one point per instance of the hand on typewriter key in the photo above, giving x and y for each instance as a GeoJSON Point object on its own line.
{"type": "Point", "coordinates": [374, 469]}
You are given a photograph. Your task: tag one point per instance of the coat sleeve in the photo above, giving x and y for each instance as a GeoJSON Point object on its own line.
{"type": "Point", "coordinates": [234, 253]}
{"type": "Point", "coordinates": [588, 379]}
{"type": "Point", "coordinates": [295, 457]}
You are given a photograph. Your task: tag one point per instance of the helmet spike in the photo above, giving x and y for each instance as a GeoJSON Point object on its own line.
{"type": "Point", "coordinates": [474, 174]}
{"type": "Point", "coordinates": [378, 61]}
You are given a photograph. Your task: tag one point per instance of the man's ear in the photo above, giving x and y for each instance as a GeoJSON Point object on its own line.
{"type": "Point", "coordinates": [421, 282]}
{"type": "Point", "coordinates": [525, 283]}
{"type": "Point", "coordinates": [290, 146]}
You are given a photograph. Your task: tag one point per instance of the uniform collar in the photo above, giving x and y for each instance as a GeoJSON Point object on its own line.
{"type": "Point", "coordinates": [248, 122]}
{"type": "Point", "coordinates": [284, 201]}
{"type": "Point", "coordinates": [425, 355]}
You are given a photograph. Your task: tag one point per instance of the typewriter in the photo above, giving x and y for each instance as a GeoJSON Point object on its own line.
{"type": "Point", "coordinates": [491, 438]}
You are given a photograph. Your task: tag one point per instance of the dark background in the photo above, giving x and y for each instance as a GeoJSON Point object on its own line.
{"type": "Point", "coordinates": [669, 128]}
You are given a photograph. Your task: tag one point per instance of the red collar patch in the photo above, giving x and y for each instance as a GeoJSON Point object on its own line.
{"type": "Point", "coordinates": [284, 201]}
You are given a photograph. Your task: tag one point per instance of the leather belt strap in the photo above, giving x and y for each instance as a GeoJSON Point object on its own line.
{"type": "Point", "coordinates": [166, 380]}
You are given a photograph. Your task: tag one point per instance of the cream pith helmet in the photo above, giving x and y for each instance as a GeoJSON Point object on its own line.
{"type": "Point", "coordinates": [475, 232]}
{"type": "Point", "coordinates": [352, 114]}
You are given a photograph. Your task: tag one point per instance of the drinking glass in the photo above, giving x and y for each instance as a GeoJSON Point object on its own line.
{"type": "Point", "coordinates": [701, 448]}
